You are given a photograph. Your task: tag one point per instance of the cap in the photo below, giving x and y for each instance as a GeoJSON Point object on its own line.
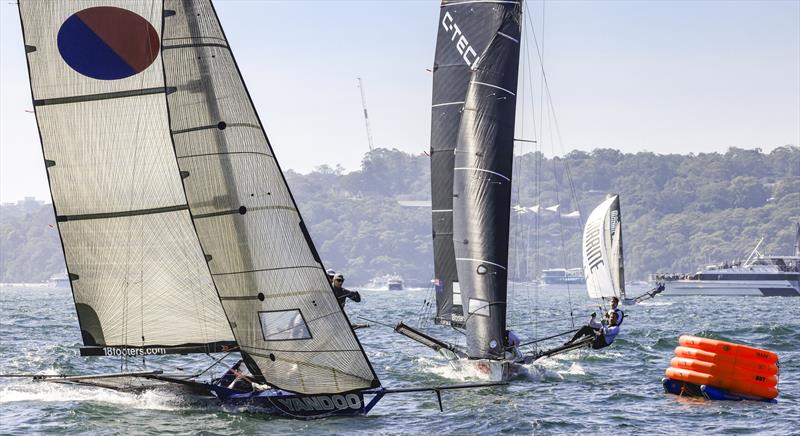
{"type": "Point", "coordinates": [338, 276]}
{"type": "Point", "coordinates": [330, 272]}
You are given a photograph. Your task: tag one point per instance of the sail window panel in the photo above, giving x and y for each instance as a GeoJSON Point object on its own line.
{"type": "Point", "coordinates": [51, 76]}
{"type": "Point", "coordinates": [203, 74]}
{"type": "Point", "coordinates": [193, 21]}
{"type": "Point", "coordinates": [478, 307]}
{"type": "Point", "coordinates": [283, 325]}
{"type": "Point", "coordinates": [284, 289]}
{"type": "Point", "coordinates": [144, 276]}
{"type": "Point", "coordinates": [256, 178]}
{"type": "Point", "coordinates": [236, 138]}
{"type": "Point", "coordinates": [110, 156]}
{"type": "Point", "coordinates": [249, 242]}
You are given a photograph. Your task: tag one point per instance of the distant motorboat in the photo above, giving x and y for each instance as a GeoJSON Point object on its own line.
{"type": "Point", "coordinates": [59, 281]}
{"type": "Point", "coordinates": [563, 276]}
{"type": "Point", "coordinates": [759, 275]}
{"type": "Point", "coordinates": [395, 283]}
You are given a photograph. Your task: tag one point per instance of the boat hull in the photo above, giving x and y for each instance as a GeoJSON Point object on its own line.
{"type": "Point", "coordinates": [763, 288]}
{"type": "Point", "coordinates": [280, 403]}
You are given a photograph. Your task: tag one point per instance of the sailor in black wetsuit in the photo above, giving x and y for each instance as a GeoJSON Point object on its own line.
{"type": "Point", "coordinates": [343, 294]}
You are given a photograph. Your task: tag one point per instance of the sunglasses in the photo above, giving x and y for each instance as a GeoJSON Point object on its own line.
{"type": "Point", "coordinates": [339, 280]}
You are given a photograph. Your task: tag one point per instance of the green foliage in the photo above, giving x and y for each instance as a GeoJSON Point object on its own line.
{"type": "Point", "coordinates": [679, 212]}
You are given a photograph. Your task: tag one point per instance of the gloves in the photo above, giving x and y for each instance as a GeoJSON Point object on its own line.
{"type": "Point", "coordinates": [355, 296]}
{"type": "Point", "coordinates": [594, 314]}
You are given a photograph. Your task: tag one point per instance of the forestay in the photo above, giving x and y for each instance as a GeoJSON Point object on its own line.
{"type": "Point", "coordinates": [136, 268]}
{"type": "Point", "coordinates": [602, 251]}
{"type": "Point", "coordinates": [289, 327]}
{"type": "Point", "coordinates": [483, 163]}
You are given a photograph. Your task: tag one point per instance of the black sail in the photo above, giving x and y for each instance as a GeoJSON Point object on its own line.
{"type": "Point", "coordinates": [482, 181]}
{"type": "Point", "coordinates": [465, 30]}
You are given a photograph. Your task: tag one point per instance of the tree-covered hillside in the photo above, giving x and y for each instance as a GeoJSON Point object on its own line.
{"type": "Point", "coordinates": [679, 212]}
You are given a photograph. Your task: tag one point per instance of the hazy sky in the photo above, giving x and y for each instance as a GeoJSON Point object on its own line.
{"type": "Point", "coordinates": [667, 77]}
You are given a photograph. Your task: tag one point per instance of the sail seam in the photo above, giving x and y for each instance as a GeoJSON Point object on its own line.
{"type": "Point", "coordinates": [92, 216]}
{"type": "Point", "coordinates": [482, 261]}
{"type": "Point", "coordinates": [482, 170]}
{"type": "Point", "coordinates": [199, 44]}
{"type": "Point", "coordinates": [441, 210]}
{"type": "Point", "coordinates": [102, 96]}
{"type": "Point", "coordinates": [239, 211]}
{"type": "Point", "coordinates": [266, 269]}
{"type": "Point", "coordinates": [215, 126]}
{"type": "Point", "coordinates": [225, 152]}
{"type": "Point", "coordinates": [492, 86]}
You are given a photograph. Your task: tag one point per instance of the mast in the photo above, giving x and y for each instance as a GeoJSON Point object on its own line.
{"type": "Point", "coordinates": [366, 115]}
{"type": "Point", "coordinates": [482, 171]}
{"type": "Point", "coordinates": [291, 331]}
{"type": "Point", "coordinates": [136, 269]}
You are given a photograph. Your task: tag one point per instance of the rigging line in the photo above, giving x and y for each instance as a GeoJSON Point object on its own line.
{"type": "Point", "coordinates": [549, 337]}
{"type": "Point", "coordinates": [375, 322]}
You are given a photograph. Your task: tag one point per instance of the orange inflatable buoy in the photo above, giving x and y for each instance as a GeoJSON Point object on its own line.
{"type": "Point", "coordinates": [738, 369]}
{"type": "Point", "coordinates": [727, 360]}
{"type": "Point", "coordinates": [718, 346]}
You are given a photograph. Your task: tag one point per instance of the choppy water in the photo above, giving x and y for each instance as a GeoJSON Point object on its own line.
{"type": "Point", "coordinates": [615, 390]}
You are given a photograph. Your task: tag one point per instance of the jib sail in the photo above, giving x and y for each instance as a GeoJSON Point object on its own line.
{"type": "Point", "coordinates": [136, 268]}
{"type": "Point", "coordinates": [602, 251]}
{"type": "Point", "coordinates": [284, 316]}
{"type": "Point", "coordinates": [482, 167]}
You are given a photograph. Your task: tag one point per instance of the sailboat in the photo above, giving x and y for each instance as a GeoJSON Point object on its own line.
{"type": "Point", "coordinates": [472, 142]}
{"type": "Point", "coordinates": [603, 262]}
{"type": "Point", "coordinates": [179, 230]}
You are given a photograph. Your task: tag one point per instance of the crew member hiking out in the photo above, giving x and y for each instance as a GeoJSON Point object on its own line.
{"type": "Point", "coordinates": [617, 310]}
{"type": "Point", "coordinates": [343, 294]}
{"type": "Point", "coordinates": [603, 334]}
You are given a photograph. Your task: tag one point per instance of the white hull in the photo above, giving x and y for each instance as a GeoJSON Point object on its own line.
{"type": "Point", "coordinates": [763, 288]}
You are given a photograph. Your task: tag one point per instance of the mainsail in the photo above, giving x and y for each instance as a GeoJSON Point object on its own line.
{"type": "Point", "coordinates": [603, 264]}
{"type": "Point", "coordinates": [483, 164]}
{"type": "Point", "coordinates": [136, 268]}
{"type": "Point", "coordinates": [169, 198]}
{"type": "Point", "coordinates": [465, 30]}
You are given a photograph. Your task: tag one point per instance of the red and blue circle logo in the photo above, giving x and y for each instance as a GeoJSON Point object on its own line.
{"type": "Point", "coordinates": [108, 43]}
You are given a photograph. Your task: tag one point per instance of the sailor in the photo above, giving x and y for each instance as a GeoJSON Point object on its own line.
{"type": "Point", "coordinates": [615, 309]}
{"type": "Point", "coordinates": [512, 343]}
{"type": "Point", "coordinates": [330, 273]}
{"type": "Point", "coordinates": [603, 335]}
{"type": "Point", "coordinates": [341, 293]}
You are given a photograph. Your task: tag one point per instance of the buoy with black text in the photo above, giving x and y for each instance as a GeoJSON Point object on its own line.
{"type": "Point", "coordinates": [719, 370]}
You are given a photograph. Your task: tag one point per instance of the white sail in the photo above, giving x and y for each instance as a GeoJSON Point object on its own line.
{"type": "Point", "coordinates": [602, 251]}
{"type": "Point", "coordinates": [137, 270]}
{"type": "Point", "coordinates": [272, 284]}
{"type": "Point", "coordinates": [169, 201]}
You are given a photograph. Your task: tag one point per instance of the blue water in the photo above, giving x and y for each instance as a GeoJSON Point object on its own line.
{"type": "Point", "coordinates": [614, 390]}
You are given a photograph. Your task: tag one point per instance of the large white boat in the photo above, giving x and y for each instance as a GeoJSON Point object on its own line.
{"type": "Point", "coordinates": [759, 275]}
{"type": "Point", "coordinates": [562, 276]}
